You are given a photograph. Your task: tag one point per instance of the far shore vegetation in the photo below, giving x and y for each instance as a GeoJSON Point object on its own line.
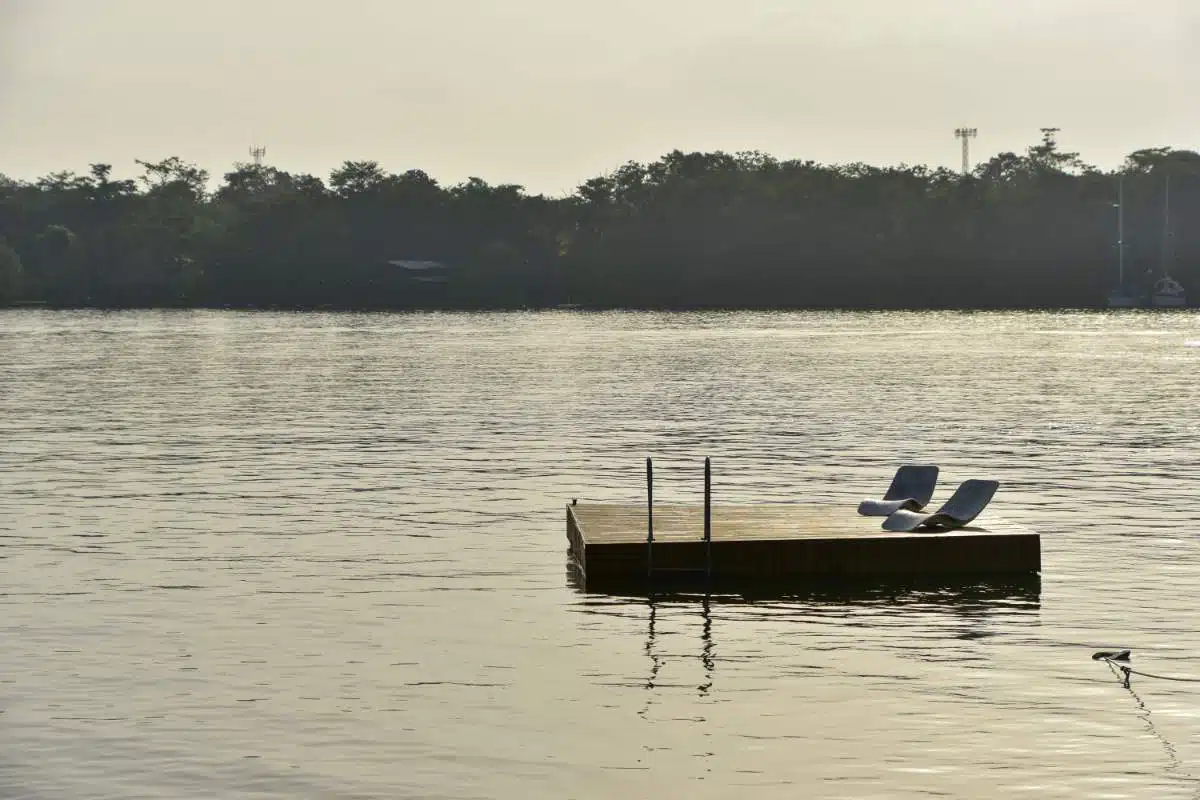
{"type": "Point", "coordinates": [690, 230]}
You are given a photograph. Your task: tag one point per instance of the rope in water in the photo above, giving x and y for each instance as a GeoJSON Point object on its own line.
{"type": "Point", "coordinates": [1113, 660]}
{"type": "Point", "coordinates": [1132, 671]}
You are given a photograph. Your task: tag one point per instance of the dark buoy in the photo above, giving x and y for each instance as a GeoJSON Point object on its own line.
{"type": "Point", "coordinates": [1111, 655]}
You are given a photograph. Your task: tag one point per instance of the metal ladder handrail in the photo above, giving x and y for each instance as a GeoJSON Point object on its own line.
{"type": "Point", "coordinates": [707, 569]}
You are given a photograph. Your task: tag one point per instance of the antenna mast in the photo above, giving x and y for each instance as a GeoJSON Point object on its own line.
{"type": "Point", "coordinates": [258, 153]}
{"type": "Point", "coordinates": [1167, 245]}
{"type": "Point", "coordinates": [966, 134]}
{"type": "Point", "coordinates": [1120, 231]}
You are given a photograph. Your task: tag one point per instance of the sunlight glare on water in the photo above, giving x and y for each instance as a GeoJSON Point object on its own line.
{"type": "Point", "coordinates": [300, 555]}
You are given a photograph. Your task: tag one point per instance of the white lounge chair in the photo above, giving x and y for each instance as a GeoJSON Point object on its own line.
{"type": "Point", "coordinates": [912, 489]}
{"type": "Point", "coordinates": [967, 503]}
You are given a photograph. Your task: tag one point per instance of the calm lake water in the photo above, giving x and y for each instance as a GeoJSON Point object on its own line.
{"type": "Point", "coordinates": [323, 555]}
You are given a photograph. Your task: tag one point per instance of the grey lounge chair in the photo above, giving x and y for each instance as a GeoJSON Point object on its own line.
{"type": "Point", "coordinates": [967, 502]}
{"type": "Point", "coordinates": [912, 489]}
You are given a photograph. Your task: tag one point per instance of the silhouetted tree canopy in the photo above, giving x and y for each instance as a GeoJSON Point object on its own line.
{"type": "Point", "coordinates": [10, 273]}
{"type": "Point", "coordinates": [1036, 229]}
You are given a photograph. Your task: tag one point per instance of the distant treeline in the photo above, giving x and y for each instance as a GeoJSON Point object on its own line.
{"type": "Point", "coordinates": [690, 230]}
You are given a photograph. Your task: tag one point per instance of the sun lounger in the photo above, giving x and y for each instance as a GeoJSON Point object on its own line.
{"type": "Point", "coordinates": [967, 502]}
{"type": "Point", "coordinates": [912, 489]}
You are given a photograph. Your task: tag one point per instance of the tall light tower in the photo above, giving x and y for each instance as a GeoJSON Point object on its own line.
{"type": "Point", "coordinates": [966, 134]}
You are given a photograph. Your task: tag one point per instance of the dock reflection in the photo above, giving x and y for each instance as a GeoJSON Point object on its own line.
{"type": "Point", "coordinates": [963, 611]}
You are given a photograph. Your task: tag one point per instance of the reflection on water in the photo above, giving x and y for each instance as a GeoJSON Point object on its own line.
{"type": "Point", "coordinates": [971, 605]}
{"type": "Point", "coordinates": [310, 555]}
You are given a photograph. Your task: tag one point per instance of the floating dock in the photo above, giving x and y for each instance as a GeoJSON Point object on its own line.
{"type": "Point", "coordinates": [797, 544]}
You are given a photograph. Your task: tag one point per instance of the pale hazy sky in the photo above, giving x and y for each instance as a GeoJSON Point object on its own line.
{"type": "Point", "coordinates": [547, 93]}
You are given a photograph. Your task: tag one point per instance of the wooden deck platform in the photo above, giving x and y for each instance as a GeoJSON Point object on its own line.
{"type": "Point", "coordinates": [795, 543]}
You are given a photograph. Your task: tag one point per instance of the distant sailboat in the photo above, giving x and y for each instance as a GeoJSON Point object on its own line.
{"type": "Point", "coordinates": [1122, 296]}
{"type": "Point", "coordinates": [1168, 293]}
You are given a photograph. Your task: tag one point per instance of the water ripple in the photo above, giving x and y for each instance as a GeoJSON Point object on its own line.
{"type": "Point", "coordinates": [300, 555]}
